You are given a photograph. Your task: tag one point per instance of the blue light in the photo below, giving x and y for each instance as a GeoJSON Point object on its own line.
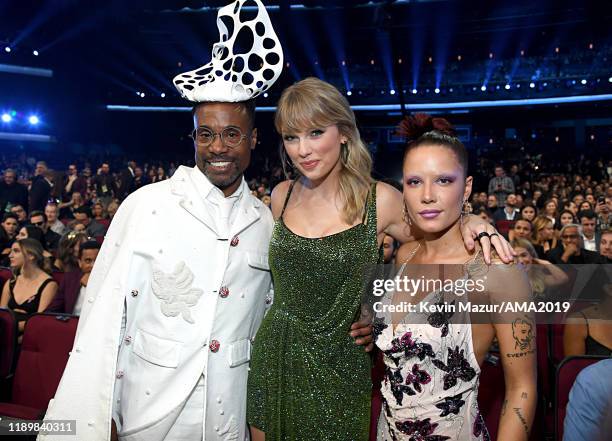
{"type": "Point", "coordinates": [450, 90]}
{"type": "Point", "coordinates": [265, 95]}
{"type": "Point", "coordinates": [483, 88]}
{"type": "Point", "coordinates": [396, 107]}
{"type": "Point", "coordinates": [518, 85]}
{"type": "Point", "coordinates": [610, 80]}
{"type": "Point", "coordinates": [583, 82]}
{"type": "Point", "coordinates": [163, 95]}
{"type": "Point", "coordinates": [142, 94]}
{"type": "Point", "coordinates": [7, 49]}
{"type": "Point", "coordinates": [35, 53]}
{"type": "Point", "coordinates": [33, 119]}
{"type": "Point", "coordinates": [507, 87]}
{"type": "Point", "coordinates": [414, 91]}
{"type": "Point", "coordinates": [532, 85]}
{"type": "Point", "coordinates": [6, 117]}
{"type": "Point", "coordinates": [392, 91]}
{"type": "Point", "coordinates": [349, 93]}
{"type": "Point", "coordinates": [437, 90]}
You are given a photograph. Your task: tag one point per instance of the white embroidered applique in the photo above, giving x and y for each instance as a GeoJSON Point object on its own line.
{"type": "Point", "coordinates": [175, 291]}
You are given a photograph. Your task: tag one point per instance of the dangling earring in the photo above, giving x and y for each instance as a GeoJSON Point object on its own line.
{"type": "Point", "coordinates": [286, 162]}
{"type": "Point", "coordinates": [466, 209]}
{"type": "Point", "coordinates": [405, 216]}
{"type": "Point", "coordinates": [344, 153]}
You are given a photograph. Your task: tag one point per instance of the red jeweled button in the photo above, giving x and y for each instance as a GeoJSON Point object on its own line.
{"type": "Point", "coordinates": [214, 346]}
{"type": "Point", "coordinates": [224, 292]}
{"type": "Point", "coordinates": [235, 241]}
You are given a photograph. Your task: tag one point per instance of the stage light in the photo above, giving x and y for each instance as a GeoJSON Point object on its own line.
{"type": "Point", "coordinates": [265, 95]}
{"type": "Point", "coordinates": [142, 94]}
{"type": "Point", "coordinates": [532, 85]}
{"type": "Point", "coordinates": [583, 81]}
{"type": "Point", "coordinates": [545, 84]}
{"type": "Point", "coordinates": [507, 87]}
{"type": "Point", "coordinates": [399, 61]}
{"type": "Point", "coordinates": [610, 80]}
{"type": "Point", "coordinates": [343, 62]}
{"type": "Point", "coordinates": [372, 62]}
{"type": "Point", "coordinates": [437, 90]}
{"type": "Point", "coordinates": [483, 88]}
{"type": "Point", "coordinates": [392, 91]}
{"type": "Point", "coordinates": [163, 95]}
{"type": "Point", "coordinates": [7, 49]}
{"type": "Point", "coordinates": [557, 50]}
{"type": "Point", "coordinates": [518, 85]}
{"type": "Point", "coordinates": [590, 45]}
{"type": "Point", "coordinates": [497, 87]}
{"type": "Point", "coordinates": [556, 139]}
{"type": "Point", "coordinates": [288, 65]}
{"type": "Point", "coordinates": [592, 137]}
{"type": "Point", "coordinates": [490, 140]}
{"type": "Point", "coordinates": [474, 88]}
{"type": "Point", "coordinates": [458, 57]}
{"type": "Point", "coordinates": [491, 55]}
{"type": "Point", "coordinates": [349, 93]}
{"type": "Point", "coordinates": [430, 59]}
{"type": "Point", "coordinates": [33, 119]}
{"type": "Point", "coordinates": [35, 53]}
{"type": "Point", "coordinates": [414, 91]}
{"type": "Point", "coordinates": [522, 52]}
{"type": "Point", "coordinates": [450, 90]}
{"type": "Point", "coordinates": [6, 117]}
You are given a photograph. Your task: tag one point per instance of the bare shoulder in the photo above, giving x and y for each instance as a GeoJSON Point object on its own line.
{"type": "Point", "coordinates": [388, 199]}
{"type": "Point", "coordinates": [387, 193]}
{"type": "Point", "coordinates": [279, 194]}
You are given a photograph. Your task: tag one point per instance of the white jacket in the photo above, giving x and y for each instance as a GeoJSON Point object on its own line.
{"type": "Point", "coordinates": [193, 301]}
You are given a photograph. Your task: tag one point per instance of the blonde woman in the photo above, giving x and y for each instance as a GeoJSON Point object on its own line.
{"type": "Point", "coordinates": [308, 379]}
{"type": "Point", "coordinates": [544, 235]}
{"type": "Point", "coordinates": [542, 274]}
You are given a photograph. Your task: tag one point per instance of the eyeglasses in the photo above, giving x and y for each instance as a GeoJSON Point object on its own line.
{"type": "Point", "coordinates": [230, 136]}
{"type": "Point", "coordinates": [569, 236]}
{"type": "Point", "coordinates": [38, 224]}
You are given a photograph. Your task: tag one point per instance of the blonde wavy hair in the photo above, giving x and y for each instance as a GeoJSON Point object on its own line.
{"type": "Point", "coordinates": [313, 103]}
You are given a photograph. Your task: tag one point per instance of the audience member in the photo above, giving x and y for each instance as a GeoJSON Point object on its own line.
{"type": "Point", "coordinates": [73, 289]}
{"type": "Point", "coordinates": [31, 289]}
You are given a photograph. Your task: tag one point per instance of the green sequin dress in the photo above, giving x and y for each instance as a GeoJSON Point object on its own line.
{"type": "Point", "coordinates": [308, 379]}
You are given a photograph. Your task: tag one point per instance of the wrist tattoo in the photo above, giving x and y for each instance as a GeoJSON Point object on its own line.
{"type": "Point", "coordinates": [517, 411]}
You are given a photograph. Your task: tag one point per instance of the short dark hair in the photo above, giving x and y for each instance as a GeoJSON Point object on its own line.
{"type": "Point", "coordinates": [9, 216]}
{"type": "Point", "coordinates": [38, 213]}
{"type": "Point", "coordinates": [249, 107]}
{"type": "Point", "coordinates": [84, 210]}
{"type": "Point", "coordinates": [88, 245]}
{"type": "Point", "coordinates": [589, 214]}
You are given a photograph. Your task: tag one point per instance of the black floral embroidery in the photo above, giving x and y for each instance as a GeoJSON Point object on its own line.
{"type": "Point", "coordinates": [457, 367]}
{"type": "Point", "coordinates": [398, 388]}
{"type": "Point", "coordinates": [417, 377]}
{"type": "Point", "coordinates": [440, 319]}
{"type": "Point", "coordinates": [451, 405]}
{"type": "Point", "coordinates": [408, 347]}
{"type": "Point", "coordinates": [480, 428]}
{"type": "Point", "coordinates": [420, 430]}
{"type": "Point", "coordinates": [378, 327]}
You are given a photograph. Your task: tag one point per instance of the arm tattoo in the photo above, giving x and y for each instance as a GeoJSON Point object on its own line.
{"type": "Point", "coordinates": [504, 406]}
{"type": "Point", "coordinates": [517, 410]}
{"type": "Point", "coordinates": [522, 331]}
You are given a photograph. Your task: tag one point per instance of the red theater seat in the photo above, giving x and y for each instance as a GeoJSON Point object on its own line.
{"type": "Point", "coordinates": [567, 372]}
{"type": "Point", "coordinates": [8, 342]}
{"type": "Point", "coordinates": [47, 341]}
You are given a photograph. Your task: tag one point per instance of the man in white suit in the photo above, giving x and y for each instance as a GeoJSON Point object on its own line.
{"type": "Point", "coordinates": [165, 335]}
